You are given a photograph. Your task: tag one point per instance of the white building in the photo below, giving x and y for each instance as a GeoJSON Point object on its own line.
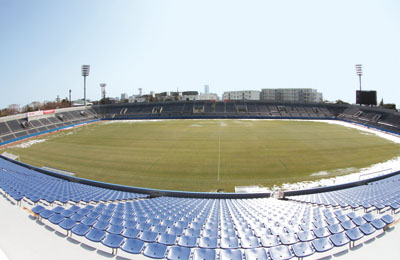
{"type": "Point", "coordinates": [208, 96]}
{"type": "Point", "coordinates": [291, 95]}
{"type": "Point", "coordinates": [241, 95]}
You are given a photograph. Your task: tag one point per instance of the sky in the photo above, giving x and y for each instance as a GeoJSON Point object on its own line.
{"type": "Point", "coordinates": [183, 45]}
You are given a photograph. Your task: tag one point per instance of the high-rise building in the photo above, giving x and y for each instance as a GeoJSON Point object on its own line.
{"type": "Point", "coordinates": [124, 96]}
{"type": "Point", "coordinates": [291, 94]}
{"type": "Point", "coordinates": [241, 95]}
{"type": "Point", "coordinates": [206, 89]}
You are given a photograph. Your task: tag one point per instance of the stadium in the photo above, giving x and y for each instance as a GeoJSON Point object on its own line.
{"type": "Point", "coordinates": [207, 180]}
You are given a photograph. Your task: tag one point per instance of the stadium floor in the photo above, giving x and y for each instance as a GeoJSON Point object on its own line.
{"type": "Point", "coordinates": [23, 237]}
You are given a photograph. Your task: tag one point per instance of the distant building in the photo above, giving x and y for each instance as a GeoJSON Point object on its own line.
{"type": "Point", "coordinates": [124, 96]}
{"type": "Point", "coordinates": [241, 95]}
{"type": "Point", "coordinates": [291, 94]}
{"type": "Point", "coordinates": [208, 96]}
{"type": "Point", "coordinates": [189, 95]}
{"type": "Point", "coordinates": [206, 89]}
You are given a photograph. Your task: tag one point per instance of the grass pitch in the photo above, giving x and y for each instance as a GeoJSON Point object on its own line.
{"type": "Point", "coordinates": [206, 155]}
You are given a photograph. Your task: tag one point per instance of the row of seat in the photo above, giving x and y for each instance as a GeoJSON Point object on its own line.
{"type": "Point", "coordinates": [379, 195]}
{"type": "Point", "coordinates": [20, 182]}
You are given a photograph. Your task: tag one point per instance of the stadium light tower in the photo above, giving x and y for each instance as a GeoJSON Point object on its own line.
{"type": "Point", "coordinates": [85, 73]}
{"type": "Point", "coordinates": [103, 91]}
{"type": "Point", "coordinates": [359, 72]}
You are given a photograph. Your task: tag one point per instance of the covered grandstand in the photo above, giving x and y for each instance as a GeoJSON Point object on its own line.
{"type": "Point", "coordinates": [95, 219]}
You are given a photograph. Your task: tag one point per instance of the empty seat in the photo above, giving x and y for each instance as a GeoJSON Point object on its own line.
{"type": "Point", "coordinates": [256, 253]}
{"type": "Point", "coordinates": [339, 239]}
{"type": "Point", "coordinates": [288, 238]}
{"type": "Point", "coordinates": [302, 249]}
{"type": "Point", "coordinates": [230, 254]}
{"type": "Point", "coordinates": [204, 254]}
{"type": "Point", "coordinates": [95, 235]}
{"type": "Point", "coordinates": [354, 234]}
{"type": "Point", "coordinates": [208, 242]}
{"type": "Point", "coordinates": [249, 242]}
{"type": "Point", "coordinates": [305, 236]}
{"type": "Point", "coordinates": [322, 244]}
{"type": "Point", "coordinates": [113, 240]}
{"type": "Point", "coordinates": [280, 253]}
{"type": "Point", "coordinates": [178, 253]}
{"type": "Point", "coordinates": [269, 241]}
{"type": "Point", "coordinates": [229, 242]}
{"type": "Point", "coordinates": [155, 250]}
{"type": "Point", "coordinates": [80, 229]}
{"type": "Point", "coordinates": [133, 246]}
{"type": "Point", "coordinates": [115, 229]}
{"type": "Point", "coordinates": [187, 241]}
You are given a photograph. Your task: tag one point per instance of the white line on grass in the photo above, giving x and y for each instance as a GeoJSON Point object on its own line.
{"type": "Point", "coordinates": [219, 154]}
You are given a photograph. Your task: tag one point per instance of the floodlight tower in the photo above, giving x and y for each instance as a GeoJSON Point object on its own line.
{"type": "Point", "coordinates": [359, 72]}
{"type": "Point", "coordinates": [85, 73]}
{"type": "Point", "coordinates": [103, 91]}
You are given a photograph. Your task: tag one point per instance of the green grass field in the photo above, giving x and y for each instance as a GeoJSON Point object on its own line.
{"type": "Point", "coordinates": [206, 155]}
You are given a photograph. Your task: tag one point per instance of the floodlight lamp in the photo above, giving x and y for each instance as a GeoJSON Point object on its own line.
{"type": "Point", "coordinates": [359, 69]}
{"type": "Point", "coordinates": [85, 70]}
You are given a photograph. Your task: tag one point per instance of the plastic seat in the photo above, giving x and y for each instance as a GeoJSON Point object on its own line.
{"type": "Point", "coordinates": [102, 225]}
{"type": "Point", "coordinates": [175, 231]}
{"type": "Point", "coordinates": [46, 214]}
{"type": "Point", "coordinates": [178, 253]}
{"type": "Point", "coordinates": [256, 253]}
{"type": "Point", "coordinates": [67, 213]}
{"type": "Point", "coordinates": [116, 221]}
{"type": "Point", "coordinates": [130, 224]}
{"type": "Point", "coordinates": [187, 241]}
{"type": "Point", "coordinates": [156, 251]}
{"type": "Point", "coordinates": [208, 242]}
{"type": "Point", "coordinates": [388, 219]}
{"type": "Point", "coordinates": [303, 249]}
{"type": "Point", "coordinates": [322, 244]}
{"type": "Point", "coordinates": [321, 232]}
{"type": "Point", "coordinates": [280, 253]}
{"type": "Point", "coordinates": [67, 224]}
{"type": "Point", "coordinates": [348, 224]}
{"type": "Point", "coordinates": [305, 236]}
{"type": "Point", "coordinates": [288, 238]}
{"type": "Point", "coordinates": [335, 228]}
{"type": "Point", "coordinates": [148, 236]}
{"type": "Point", "coordinates": [368, 217]}
{"type": "Point", "coordinates": [210, 233]}
{"type": "Point", "coordinates": [204, 254]}
{"type": "Point", "coordinates": [358, 221]}
{"type": "Point", "coordinates": [378, 223]}
{"type": "Point", "coordinates": [77, 217]}
{"type": "Point", "coordinates": [192, 232]}
{"type": "Point", "coordinates": [354, 234]}
{"type": "Point", "coordinates": [115, 229]}
{"type": "Point", "coordinates": [38, 209]}
{"type": "Point", "coordinates": [143, 226]}
{"type": "Point", "coordinates": [228, 233]}
{"type": "Point", "coordinates": [367, 229]}
{"type": "Point", "coordinates": [159, 228]}
{"type": "Point", "coordinates": [80, 229]}
{"type": "Point", "coordinates": [56, 219]}
{"type": "Point", "coordinates": [230, 254]}
{"type": "Point", "coordinates": [249, 242]}
{"type": "Point", "coordinates": [58, 209]}
{"type": "Point", "coordinates": [167, 239]}
{"type": "Point", "coordinates": [89, 221]}
{"type": "Point", "coordinates": [229, 242]}
{"type": "Point", "coordinates": [339, 239]}
{"type": "Point", "coordinates": [113, 240]}
{"type": "Point", "coordinates": [95, 235]}
{"type": "Point", "coordinates": [269, 241]}
{"type": "Point", "coordinates": [132, 246]}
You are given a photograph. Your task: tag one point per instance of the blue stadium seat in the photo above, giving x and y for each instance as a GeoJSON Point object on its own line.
{"type": "Point", "coordinates": [178, 253]}
{"type": "Point", "coordinates": [132, 246]}
{"type": "Point", "coordinates": [156, 251]}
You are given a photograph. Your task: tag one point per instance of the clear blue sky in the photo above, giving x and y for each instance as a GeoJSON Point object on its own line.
{"type": "Point", "coordinates": [229, 45]}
